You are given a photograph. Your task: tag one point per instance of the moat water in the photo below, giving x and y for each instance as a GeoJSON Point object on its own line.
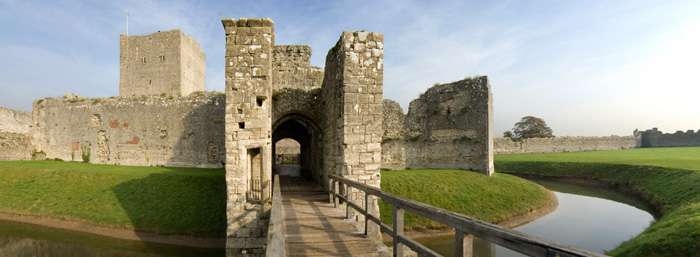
{"type": "Point", "coordinates": [23, 240]}
{"type": "Point", "coordinates": [591, 218]}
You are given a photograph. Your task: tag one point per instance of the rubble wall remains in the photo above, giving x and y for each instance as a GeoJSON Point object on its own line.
{"type": "Point", "coordinates": [563, 144]}
{"type": "Point", "coordinates": [291, 68]}
{"type": "Point", "coordinates": [656, 138]}
{"type": "Point", "coordinates": [142, 131]}
{"type": "Point", "coordinates": [15, 146]}
{"type": "Point", "coordinates": [450, 126]}
{"type": "Point", "coordinates": [15, 121]}
{"type": "Point", "coordinates": [393, 145]}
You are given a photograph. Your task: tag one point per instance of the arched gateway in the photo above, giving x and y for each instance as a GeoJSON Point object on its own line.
{"type": "Point", "coordinates": [308, 135]}
{"type": "Point", "coordinates": [272, 93]}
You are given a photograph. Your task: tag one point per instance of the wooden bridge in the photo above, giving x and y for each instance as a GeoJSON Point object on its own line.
{"type": "Point", "coordinates": [307, 221]}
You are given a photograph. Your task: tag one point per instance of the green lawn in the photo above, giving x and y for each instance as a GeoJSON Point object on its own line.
{"type": "Point", "coordinates": [669, 178]}
{"type": "Point", "coordinates": [153, 199]}
{"type": "Point", "coordinates": [193, 201]}
{"type": "Point", "coordinates": [492, 199]}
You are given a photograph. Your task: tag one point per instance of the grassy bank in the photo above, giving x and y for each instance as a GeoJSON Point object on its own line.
{"type": "Point", "coordinates": [192, 201]}
{"type": "Point", "coordinates": [494, 199]}
{"type": "Point", "coordinates": [668, 178]}
{"type": "Point", "coordinates": [153, 199]}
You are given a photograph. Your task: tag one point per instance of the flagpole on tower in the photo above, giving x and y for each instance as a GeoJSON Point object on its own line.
{"type": "Point", "coordinates": [127, 23]}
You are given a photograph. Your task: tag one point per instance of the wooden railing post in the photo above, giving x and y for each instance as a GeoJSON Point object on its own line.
{"type": "Point", "coordinates": [398, 231]}
{"type": "Point", "coordinates": [331, 191]}
{"type": "Point", "coordinates": [465, 227]}
{"type": "Point", "coordinates": [336, 190]}
{"type": "Point", "coordinates": [463, 244]}
{"type": "Point", "coordinates": [366, 211]}
{"type": "Point", "coordinates": [347, 200]}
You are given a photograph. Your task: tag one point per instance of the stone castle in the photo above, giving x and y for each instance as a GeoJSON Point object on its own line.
{"type": "Point", "coordinates": [338, 116]}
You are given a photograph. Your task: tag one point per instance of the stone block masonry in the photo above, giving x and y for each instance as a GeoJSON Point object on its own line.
{"type": "Point", "coordinates": [142, 131]}
{"type": "Point", "coordinates": [166, 63]}
{"type": "Point", "coordinates": [249, 45]}
{"type": "Point", "coordinates": [291, 68]}
{"type": "Point", "coordinates": [353, 94]}
{"type": "Point", "coordinates": [15, 146]}
{"type": "Point", "coordinates": [449, 126]}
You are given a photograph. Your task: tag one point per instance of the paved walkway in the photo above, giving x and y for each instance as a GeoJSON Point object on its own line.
{"type": "Point", "coordinates": [315, 228]}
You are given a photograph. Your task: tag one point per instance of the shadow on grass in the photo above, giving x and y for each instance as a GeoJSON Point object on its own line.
{"type": "Point", "coordinates": [180, 205]}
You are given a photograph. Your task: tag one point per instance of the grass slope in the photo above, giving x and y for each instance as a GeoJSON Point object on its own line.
{"type": "Point", "coordinates": [492, 199]}
{"type": "Point", "coordinates": [193, 201]}
{"type": "Point", "coordinates": [153, 199]}
{"type": "Point", "coordinates": [669, 178]}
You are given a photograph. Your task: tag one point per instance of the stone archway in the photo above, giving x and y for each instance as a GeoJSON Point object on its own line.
{"type": "Point", "coordinates": [308, 134]}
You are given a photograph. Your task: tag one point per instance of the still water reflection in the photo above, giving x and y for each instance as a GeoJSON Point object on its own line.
{"type": "Point", "coordinates": [590, 218]}
{"type": "Point", "coordinates": [22, 240]}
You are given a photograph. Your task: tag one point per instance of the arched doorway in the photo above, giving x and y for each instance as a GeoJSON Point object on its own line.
{"type": "Point", "coordinates": [287, 159]}
{"type": "Point", "coordinates": [289, 132]}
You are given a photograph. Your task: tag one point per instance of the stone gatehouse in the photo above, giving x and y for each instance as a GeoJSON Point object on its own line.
{"type": "Point", "coordinates": [337, 115]}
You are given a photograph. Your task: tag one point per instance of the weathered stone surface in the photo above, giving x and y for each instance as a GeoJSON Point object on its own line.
{"type": "Point", "coordinates": [248, 129]}
{"type": "Point", "coordinates": [14, 121]}
{"type": "Point", "coordinates": [353, 94]}
{"type": "Point", "coordinates": [655, 138]}
{"type": "Point", "coordinates": [449, 126]}
{"type": "Point", "coordinates": [563, 144]}
{"type": "Point", "coordinates": [291, 68]}
{"type": "Point", "coordinates": [393, 141]}
{"type": "Point", "coordinates": [144, 131]}
{"type": "Point", "coordinates": [168, 63]}
{"type": "Point", "coordinates": [15, 146]}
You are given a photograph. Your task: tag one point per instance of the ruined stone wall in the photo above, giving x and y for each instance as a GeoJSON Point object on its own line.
{"type": "Point", "coordinates": [15, 146]}
{"type": "Point", "coordinates": [163, 63]}
{"type": "Point", "coordinates": [563, 144]}
{"type": "Point", "coordinates": [143, 131]}
{"type": "Point", "coordinates": [15, 143]}
{"type": "Point", "coordinates": [14, 121]}
{"type": "Point", "coordinates": [393, 144]}
{"type": "Point", "coordinates": [291, 68]}
{"type": "Point", "coordinates": [450, 126]}
{"type": "Point", "coordinates": [656, 138]}
{"type": "Point", "coordinates": [249, 44]}
{"type": "Point", "coordinates": [353, 94]}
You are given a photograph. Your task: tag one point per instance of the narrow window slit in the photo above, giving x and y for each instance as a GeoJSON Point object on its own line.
{"type": "Point", "coordinates": [260, 100]}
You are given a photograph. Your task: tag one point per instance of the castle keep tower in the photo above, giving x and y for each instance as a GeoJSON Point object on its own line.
{"type": "Point", "coordinates": [163, 63]}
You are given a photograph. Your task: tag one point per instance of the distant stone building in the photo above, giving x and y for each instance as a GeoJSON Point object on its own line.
{"type": "Point", "coordinates": [168, 63]}
{"type": "Point", "coordinates": [655, 138]}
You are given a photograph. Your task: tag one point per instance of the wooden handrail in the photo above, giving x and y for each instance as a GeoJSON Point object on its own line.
{"type": "Point", "coordinates": [275, 230]}
{"type": "Point", "coordinates": [511, 239]}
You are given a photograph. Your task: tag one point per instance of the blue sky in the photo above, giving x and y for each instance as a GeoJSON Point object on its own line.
{"type": "Point", "coordinates": [586, 67]}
